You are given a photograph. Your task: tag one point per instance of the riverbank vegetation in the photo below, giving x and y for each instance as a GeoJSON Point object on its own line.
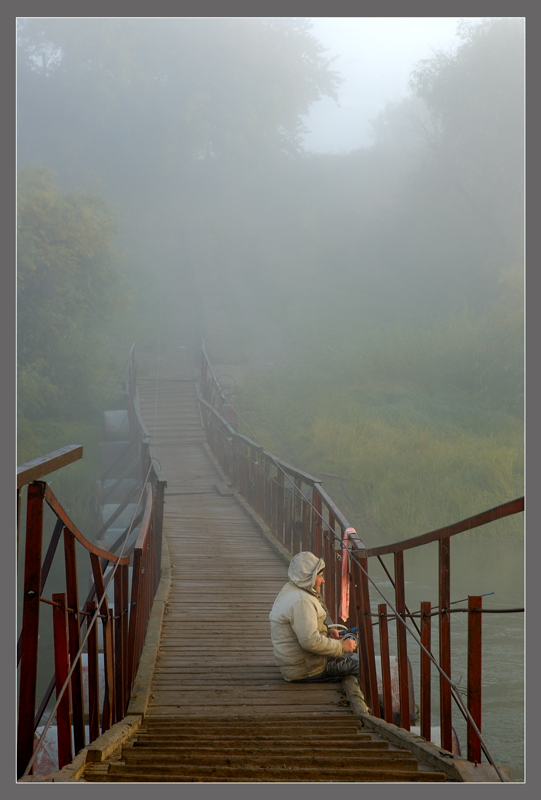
{"type": "Point", "coordinates": [68, 282]}
{"type": "Point", "coordinates": [393, 273]}
{"type": "Point", "coordinates": [413, 441]}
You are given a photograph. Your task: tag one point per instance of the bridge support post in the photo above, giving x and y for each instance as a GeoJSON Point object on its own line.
{"type": "Point", "coordinates": [385, 663]}
{"type": "Point", "coordinates": [426, 611]}
{"type": "Point", "coordinates": [74, 629]}
{"type": "Point", "coordinates": [475, 604]}
{"type": "Point", "coordinates": [30, 625]}
{"type": "Point", "coordinates": [317, 530]}
{"type": "Point", "coordinates": [401, 638]}
{"type": "Point", "coordinates": [445, 642]}
{"type": "Point", "coordinates": [93, 675]}
{"type": "Point", "coordinates": [61, 664]}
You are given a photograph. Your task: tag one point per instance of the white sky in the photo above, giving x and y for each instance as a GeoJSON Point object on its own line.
{"type": "Point", "coordinates": [375, 57]}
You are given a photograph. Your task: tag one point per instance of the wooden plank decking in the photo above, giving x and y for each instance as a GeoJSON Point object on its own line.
{"type": "Point", "coordinates": [215, 655]}
{"type": "Point", "coordinates": [220, 710]}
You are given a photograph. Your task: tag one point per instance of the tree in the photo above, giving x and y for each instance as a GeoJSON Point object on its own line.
{"type": "Point", "coordinates": [143, 95]}
{"type": "Point", "coordinates": [476, 99]}
{"type": "Point", "coordinates": [67, 281]}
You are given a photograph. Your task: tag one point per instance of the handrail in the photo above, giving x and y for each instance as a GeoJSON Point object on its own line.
{"type": "Point", "coordinates": [310, 480]}
{"type": "Point", "coordinates": [70, 526]}
{"type": "Point", "coordinates": [39, 467]}
{"type": "Point", "coordinates": [302, 516]}
{"type": "Point", "coordinates": [498, 512]}
{"type": "Point", "coordinates": [74, 624]}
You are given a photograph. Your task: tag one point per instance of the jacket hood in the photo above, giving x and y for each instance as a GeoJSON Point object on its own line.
{"type": "Point", "coordinates": [303, 569]}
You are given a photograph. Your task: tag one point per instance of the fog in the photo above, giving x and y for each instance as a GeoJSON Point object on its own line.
{"type": "Point", "coordinates": [375, 56]}
{"type": "Point", "coordinates": [346, 236]}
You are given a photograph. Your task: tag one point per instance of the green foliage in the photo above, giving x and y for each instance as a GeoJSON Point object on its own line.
{"type": "Point", "coordinates": [423, 425]}
{"type": "Point", "coordinates": [481, 355]}
{"type": "Point", "coordinates": [158, 93]}
{"type": "Point", "coordinates": [393, 274]}
{"type": "Point", "coordinates": [68, 288]}
{"type": "Point", "coordinates": [476, 100]}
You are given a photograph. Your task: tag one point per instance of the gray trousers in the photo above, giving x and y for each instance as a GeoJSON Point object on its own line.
{"type": "Point", "coordinates": [335, 669]}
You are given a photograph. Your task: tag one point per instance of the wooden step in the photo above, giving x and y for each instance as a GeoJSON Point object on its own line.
{"type": "Point", "coordinates": [350, 760]}
{"type": "Point", "coordinates": [280, 746]}
{"type": "Point", "coordinates": [265, 774]}
{"type": "Point", "coordinates": [219, 709]}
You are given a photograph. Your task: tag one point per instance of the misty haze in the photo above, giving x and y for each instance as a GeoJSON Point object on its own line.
{"type": "Point", "coordinates": [362, 301]}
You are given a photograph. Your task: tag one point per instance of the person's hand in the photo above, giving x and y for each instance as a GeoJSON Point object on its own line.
{"type": "Point", "coordinates": [333, 633]}
{"type": "Point", "coordinates": [349, 645]}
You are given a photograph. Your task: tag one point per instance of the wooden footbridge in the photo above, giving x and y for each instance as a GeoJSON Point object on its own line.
{"type": "Point", "coordinates": [189, 690]}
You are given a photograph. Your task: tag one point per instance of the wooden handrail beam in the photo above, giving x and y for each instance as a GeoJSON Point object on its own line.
{"type": "Point", "coordinates": [498, 512]}
{"type": "Point", "coordinates": [34, 470]}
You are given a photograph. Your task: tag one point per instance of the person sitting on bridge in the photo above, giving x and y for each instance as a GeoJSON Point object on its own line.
{"type": "Point", "coordinates": [305, 648]}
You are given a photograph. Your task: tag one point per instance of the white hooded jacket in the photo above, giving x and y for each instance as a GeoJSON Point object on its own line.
{"type": "Point", "coordinates": [298, 630]}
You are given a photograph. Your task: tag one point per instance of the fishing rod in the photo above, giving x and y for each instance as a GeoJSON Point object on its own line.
{"type": "Point", "coordinates": [454, 690]}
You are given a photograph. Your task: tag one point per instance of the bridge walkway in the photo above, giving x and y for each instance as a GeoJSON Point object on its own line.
{"type": "Point", "coordinates": [215, 655]}
{"type": "Point", "coordinates": [217, 699]}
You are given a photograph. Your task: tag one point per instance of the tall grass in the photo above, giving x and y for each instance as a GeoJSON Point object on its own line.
{"type": "Point", "coordinates": [423, 426]}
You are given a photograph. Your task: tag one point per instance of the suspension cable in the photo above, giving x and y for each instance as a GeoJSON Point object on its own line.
{"type": "Point", "coordinates": [456, 695]}
{"type": "Point", "coordinates": [90, 625]}
{"type": "Point", "coordinates": [96, 614]}
{"type": "Point", "coordinates": [350, 554]}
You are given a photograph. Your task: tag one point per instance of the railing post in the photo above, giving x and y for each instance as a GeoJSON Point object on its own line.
{"type": "Point", "coordinates": [247, 471]}
{"type": "Point", "coordinates": [93, 675]}
{"type": "Point", "coordinates": [372, 678]}
{"type": "Point", "coordinates": [120, 666]}
{"type": "Point", "coordinates": [157, 517]}
{"type": "Point", "coordinates": [126, 616]}
{"type": "Point", "coordinates": [385, 663]}
{"type": "Point", "coordinates": [268, 493]}
{"type": "Point", "coordinates": [99, 583]}
{"type": "Point", "coordinates": [30, 625]}
{"type": "Point", "coordinates": [426, 611]}
{"type": "Point", "coordinates": [61, 670]}
{"type": "Point", "coordinates": [250, 484]}
{"type": "Point", "coordinates": [134, 614]}
{"type": "Point", "coordinates": [475, 604]}
{"type": "Point", "coordinates": [334, 565]}
{"type": "Point", "coordinates": [445, 643]}
{"type": "Point", "coordinates": [357, 591]}
{"type": "Point", "coordinates": [401, 638]}
{"type": "Point", "coordinates": [204, 392]}
{"type": "Point", "coordinates": [316, 521]}
{"type": "Point", "coordinates": [288, 516]}
{"type": "Point", "coordinates": [280, 500]}
{"type": "Point", "coordinates": [108, 715]}
{"type": "Point", "coordinates": [306, 541]}
{"type": "Point", "coordinates": [330, 573]}
{"type": "Point", "coordinates": [74, 628]}
{"type": "Point", "coordinates": [297, 518]}
{"type": "Point", "coordinates": [260, 484]}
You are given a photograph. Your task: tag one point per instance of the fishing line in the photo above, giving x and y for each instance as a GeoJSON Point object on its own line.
{"type": "Point", "coordinates": [351, 554]}
{"type": "Point", "coordinates": [454, 690]}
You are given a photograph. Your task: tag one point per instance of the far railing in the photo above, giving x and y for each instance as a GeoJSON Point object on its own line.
{"type": "Point", "coordinates": [302, 516]}
{"type": "Point", "coordinates": [94, 670]}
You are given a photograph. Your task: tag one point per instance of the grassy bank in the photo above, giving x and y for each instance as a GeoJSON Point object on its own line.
{"type": "Point", "coordinates": [422, 427]}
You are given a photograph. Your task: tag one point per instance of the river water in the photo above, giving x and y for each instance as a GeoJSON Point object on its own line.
{"type": "Point", "coordinates": [479, 564]}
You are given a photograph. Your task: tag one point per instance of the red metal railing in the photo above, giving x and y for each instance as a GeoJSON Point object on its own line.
{"type": "Point", "coordinates": [81, 714]}
{"type": "Point", "coordinates": [302, 516]}
{"type": "Point", "coordinates": [123, 628]}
